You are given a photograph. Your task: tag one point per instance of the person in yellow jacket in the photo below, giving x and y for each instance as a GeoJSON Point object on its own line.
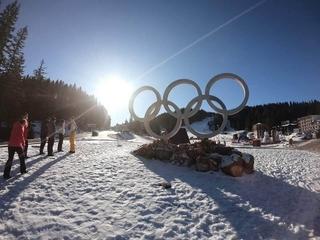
{"type": "Point", "coordinates": [72, 138]}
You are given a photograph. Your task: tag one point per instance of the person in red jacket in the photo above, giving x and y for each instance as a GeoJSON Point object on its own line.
{"type": "Point", "coordinates": [16, 144]}
{"type": "Point", "coordinates": [26, 135]}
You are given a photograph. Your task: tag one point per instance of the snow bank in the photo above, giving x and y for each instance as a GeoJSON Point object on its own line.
{"type": "Point", "coordinates": [296, 137]}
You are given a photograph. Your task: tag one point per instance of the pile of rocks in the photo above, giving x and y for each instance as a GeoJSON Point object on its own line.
{"type": "Point", "coordinates": [205, 155]}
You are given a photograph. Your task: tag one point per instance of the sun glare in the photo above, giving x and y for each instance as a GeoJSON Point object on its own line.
{"type": "Point", "coordinates": [114, 93]}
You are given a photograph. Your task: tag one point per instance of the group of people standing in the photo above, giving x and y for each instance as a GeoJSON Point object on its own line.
{"type": "Point", "coordinates": [50, 127]}
{"type": "Point", "coordinates": [18, 142]}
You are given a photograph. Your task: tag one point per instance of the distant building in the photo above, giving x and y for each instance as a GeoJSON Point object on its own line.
{"type": "Point", "coordinates": [259, 129]}
{"type": "Point", "coordinates": [310, 123]}
{"type": "Point", "coordinates": [287, 127]}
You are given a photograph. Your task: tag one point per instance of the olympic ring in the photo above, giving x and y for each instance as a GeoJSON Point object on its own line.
{"type": "Point", "coordinates": [155, 107]}
{"type": "Point", "coordinates": [174, 84]}
{"type": "Point", "coordinates": [215, 132]}
{"type": "Point", "coordinates": [236, 78]}
{"type": "Point", "coordinates": [136, 93]}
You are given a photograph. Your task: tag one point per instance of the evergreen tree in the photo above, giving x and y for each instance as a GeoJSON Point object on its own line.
{"type": "Point", "coordinates": [40, 72]}
{"type": "Point", "coordinates": [14, 65]}
{"type": "Point", "coordinates": [8, 18]}
{"type": "Point", "coordinates": [12, 95]}
{"type": "Point", "coordinates": [37, 94]}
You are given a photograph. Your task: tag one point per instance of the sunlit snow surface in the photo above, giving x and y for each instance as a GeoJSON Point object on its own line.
{"type": "Point", "coordinates": [104, 192]}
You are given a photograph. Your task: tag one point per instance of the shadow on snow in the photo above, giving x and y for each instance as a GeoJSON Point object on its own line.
{"type": "Point", "coordinates": [245, 201]}
{"type": "Point", "coordinates": [16, 188]}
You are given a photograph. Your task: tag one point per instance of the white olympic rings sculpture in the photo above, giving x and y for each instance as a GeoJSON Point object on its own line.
{"type": "Point", "coordinates": [154, 108]}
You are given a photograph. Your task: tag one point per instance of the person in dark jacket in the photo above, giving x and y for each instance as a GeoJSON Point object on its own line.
{"type": "Point", "coordinates": [51, 134]}
{"type": "Point", "coordinates": [16, 144]}
{"type": "Point", "coordinates": [61, 131]}
{"type": "Point", "coordinates": [43, 134]}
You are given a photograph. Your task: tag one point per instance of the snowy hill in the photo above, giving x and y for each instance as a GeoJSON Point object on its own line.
{"type": "Point", "coordinates": [104, 192]}
{"type": "Point", "coordinates": [202, 126]}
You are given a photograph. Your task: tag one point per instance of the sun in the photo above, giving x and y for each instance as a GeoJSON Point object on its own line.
{"type": "Point", "coordinates": [114, 93]}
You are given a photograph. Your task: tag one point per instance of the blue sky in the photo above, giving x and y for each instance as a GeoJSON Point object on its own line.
{"type": "Point", "coordinates": [275, 48]}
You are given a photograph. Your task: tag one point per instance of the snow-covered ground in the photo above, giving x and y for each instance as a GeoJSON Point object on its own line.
{"type": "Point", "coordinates": [104, 192]}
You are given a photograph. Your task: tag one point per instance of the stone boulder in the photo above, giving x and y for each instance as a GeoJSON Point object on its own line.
{"type": "Point", "coordinates": [180, 137]}
{"type": "Point", "coordinates": [162, 153]}
{"type": "Point", "coordinates": [215, 160]}
{"type": "Point", "coordinates": [165, 185]}
{"type": "Point", "coordinates": [222, 150]}
{"type": "Point", "coordinates": [209, 162]}
{"type": "Point", "coordinates": [158, 150]}
{"type": "Point", "coordinates": [232, 165]}
{"type": "Point", "coordinates": [235, 151]}
{"type": "Point", "coordinates": [236, 165]}
{"type": "Point", "coordinates": [182, 158]}
{"type": "Point", "coordinates": [145, 151]}
{"type": "Point", "coordinates": [248, 162]}
{"type": "Point", "coordinates": [205, 155]}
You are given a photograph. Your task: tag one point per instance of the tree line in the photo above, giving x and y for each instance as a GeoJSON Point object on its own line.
{"type": "Point", "coordinates": [271, 114]}
{"type": "Point", "coordinates": [37, 94]}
